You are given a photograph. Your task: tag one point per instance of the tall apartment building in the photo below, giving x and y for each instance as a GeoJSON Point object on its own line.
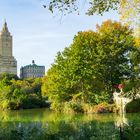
{"type": "Point", "coordinates": [32, 71]}
{"type": "Point", "coordinates": [8, 63]}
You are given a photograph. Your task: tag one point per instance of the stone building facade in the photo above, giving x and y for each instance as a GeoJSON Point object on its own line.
{"type": "Point", "coordinates": [8, 63]}
{"type": "Point", "coordinates": [32, 71]}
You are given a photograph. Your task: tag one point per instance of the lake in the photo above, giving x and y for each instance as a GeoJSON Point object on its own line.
{"type": "Point", "coordinates": [43, 124]}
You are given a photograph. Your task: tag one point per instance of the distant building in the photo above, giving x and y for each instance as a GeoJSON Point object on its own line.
{"type": "Point", "coordinates": [32, 71]}
{"type": "Point", "coordinates": [8, 63]}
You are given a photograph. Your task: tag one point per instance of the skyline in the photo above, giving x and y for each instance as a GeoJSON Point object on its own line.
{"type": "Point", "coordinates": [38, 34]}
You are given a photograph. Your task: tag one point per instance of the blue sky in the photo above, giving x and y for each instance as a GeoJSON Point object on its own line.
{"type": "Point", "coordinates": [38, 35]}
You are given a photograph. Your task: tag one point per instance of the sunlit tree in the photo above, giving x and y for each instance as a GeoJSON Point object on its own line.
{"type": "Point", "coordinates": [94, 63]}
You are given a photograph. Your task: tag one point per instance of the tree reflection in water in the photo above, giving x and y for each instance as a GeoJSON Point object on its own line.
{"type": "Point", "coordinates": [58, 131]}
{"type": "Point", "coordinates": [128, 130]}
{"type": "Point", "coordinates": [35, 125]}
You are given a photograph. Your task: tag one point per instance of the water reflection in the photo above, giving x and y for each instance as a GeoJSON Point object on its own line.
{"type": "Point", "coordinates": [129, 126]}
{"type": "Point", "coordinates": [121, 120]}
{"type": "Point", "coordinates": [46, 125]}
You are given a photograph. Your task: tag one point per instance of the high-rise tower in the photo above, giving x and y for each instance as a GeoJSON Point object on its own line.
{"type": "Point", "coordinates": [8, 63]}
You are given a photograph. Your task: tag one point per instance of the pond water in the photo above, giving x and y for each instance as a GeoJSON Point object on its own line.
{"type": "Point", "coordinates": [43, 124]}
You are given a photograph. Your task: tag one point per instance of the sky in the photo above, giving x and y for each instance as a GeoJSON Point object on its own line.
{"type": "Point", "coordinates": [38, 34]}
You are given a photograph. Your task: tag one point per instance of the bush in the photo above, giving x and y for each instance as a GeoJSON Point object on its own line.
{"type": "Point", "coordinates": [80, 107]}
{"type": "Point", "coordinates": [12, 105]}
{"type": "Point", "coordinates": [33, 102]}
{"type": "Point", "coordinates": [133, 106]}
{"type": "Point", "coordinates": [57, 106]}
{"type": "Point", "coordinates": [88, 108]}
{"type": "Point", "coordinates": [73, 107]}
{"type": "Point", "coordinates": [104, 108]}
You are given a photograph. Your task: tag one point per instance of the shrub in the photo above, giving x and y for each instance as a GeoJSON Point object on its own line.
{"type": "Point", "coordinates": [12, 105]}
{"type": "Point", "coordinates": [57, 106]}
{"type": "Point", "coordinates": [73, 107]}
{"type": "Point", "coordinates": [133, 106]}
{"type": "Point", "coordinates": [88, 108]}
{"type": "Point", "coordinates": [33, 101]}
{"type": "Point", "coordinates": [104, 108]}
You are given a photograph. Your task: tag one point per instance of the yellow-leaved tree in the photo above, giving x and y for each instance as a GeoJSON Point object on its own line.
{"type": "Point", "coordinates": [130, 14]}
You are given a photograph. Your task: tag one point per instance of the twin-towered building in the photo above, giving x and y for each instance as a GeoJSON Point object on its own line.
{"type": "Point", "coordinates": [8, 63]}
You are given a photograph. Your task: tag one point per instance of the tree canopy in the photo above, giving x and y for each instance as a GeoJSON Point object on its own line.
{"type": "Point", "coordinates": [92, 65]}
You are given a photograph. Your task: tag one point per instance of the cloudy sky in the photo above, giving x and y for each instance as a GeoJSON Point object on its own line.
{"type": "Point", "coordinates": [38, 35]}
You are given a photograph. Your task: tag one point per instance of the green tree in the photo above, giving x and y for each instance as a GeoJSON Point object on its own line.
{"type": "Point", "coordinates": [16, 93]}
{"type": "Point", "coordinates": [6, 78]}
{"type": "Point", "coordinates": [114, 47]}
{"type": "Point", "coordinates": [132, 85]}
{"type": "Point", "coordinates": [92, 65]}
{"type": "Point", "coordinates": [72, 75]}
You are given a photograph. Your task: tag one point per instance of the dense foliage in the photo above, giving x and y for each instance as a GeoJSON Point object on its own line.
{"type": "Point", "coordinates": [95, 62]}
{"type": "Point", "coordinates": [20, 94]}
